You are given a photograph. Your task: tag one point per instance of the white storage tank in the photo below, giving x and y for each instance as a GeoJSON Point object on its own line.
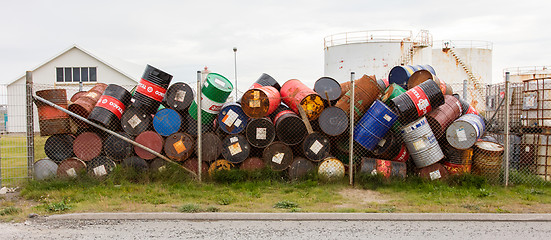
{"type": "Point", "coordinates": [374, 52]}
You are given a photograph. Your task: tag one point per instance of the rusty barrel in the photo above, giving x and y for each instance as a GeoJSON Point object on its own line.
{"type": "Point", "coordinates": [465, 106]}
{"type": "Point", "coordinates": [116, 148]}
{"type": "Point", "coordinates": [366, 92]}
{"type": "Point", "coordinates": [151, 89]}
{"type": "Point", "coordinates": [278, 155]}
{"type": "Point", "coordinates": [135, 121]}
{"type": "Point", "coordinates": [260, 132]}
{"type": "Point", "coordinates": [252, 164]}
{"type": "Point", "coordinates": [150, 139]}
{"type": "Point", "coordinates": [235, 148]}
{"type": "Point", "coordinates": [417, 102]}
{"type": "Point", "coordinates": [179, 146]}
{"type": "Point", "coordinates": [51, 120]}
{"type": "Point", "coordinates": [433, 172]}
{"type": "Point", "coordinates": [441, 117]}
{"type": "Point", "coordinates": [87, 146]}
{"type": "Point", "coordinates": [232, 119]}
{"type": "Point", "coordinates": [266, 80]}
{"type": "Point", "coordinates": [260, 101]}
{"type": "Point", "coordinates": [401, 74]}
{"type": "Point", "coordinates": [421, 143]}
{"type": "Point", "coordinates": [487, 159]}
{"type": "Point", "coordinates": [70, 167]}
{"type": "Point", "coordinates": [333, 121]}
{"type": "Point", "coordinates": [84, 105]}
{"type": "Point", "coordinates": [193, 165]}
{"type": "Point", "coordinates": [44, 169]}
{"type": "Point", "coordinates": [110, 107]}
{"type": "Point", "coordinates": [136, 163]}
{"type": "Point", "coordinates": [295, 94]}
{"type": "Point", "coordinates": [100, 167]}
{"type": "Point", "coordinates": [220, 165]}
{"type": "Point", "coordinates": [316, 146]}
{"type": "Point", "coordinates": [211, 146]}
{"type": "Point", "coordinates": [391, 147]}
{"type": "Point", "coordinates": [178, 97]}
{"type": "Point", "coordinates": [464, 131]}
{"type": "Point", "coordinates": [300, 168]}
{"type": "Point", "coordinates": [167, 121]}
{"type": "Point", "coordinates": [331, 169]}
{"type": "Point", "coordinates": [59, 147]}
{"type": "Point", "coordinates": [289, 127]}
{"type": "Point", "coordinates": [373, 126]}
{"type": "Point", "coordinates": [329, 89]}
{"type": "Point", "coordinates": [422, 75]}
{"type": "Point", "coordinates": [383, 167]}
{"type": "Point", "coordinates": [77, 95]}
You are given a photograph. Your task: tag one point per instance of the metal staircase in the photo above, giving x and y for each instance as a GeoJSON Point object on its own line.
{"type": "Point", "coordinates": [423, 39]}
{"type": "Point", "coordinates": [478, 86]}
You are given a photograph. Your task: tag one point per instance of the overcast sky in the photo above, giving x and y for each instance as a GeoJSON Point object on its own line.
{"type": "Point", "coordinates": [281, 38]}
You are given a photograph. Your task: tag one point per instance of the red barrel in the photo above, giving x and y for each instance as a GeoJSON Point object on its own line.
{"type": "Point", "coordinates": [70, 167]}
{"type": "Point", "coordinates": [179, 146]}
{"type": "Point", "coordinates": [417, 101]}
{"type": "Point", "coordinates": [383, 167]}
{"type": "Point", "coordinates": [110, 107]}
{"type": "Point", "coordinates": [193, 165]}
{"type": "Point", "coordinates": [433, 172]}
{"type": "Point", "coordinates": [289, 127]}
{"type": "Point", "coordinates": [295, 94]}
{"type": "Point", "coordinates": [87, 146]}
{"type": "Point", "coordinates": [150, 139]}
{"type": "Point", "coordinates": [440, 118]}
{"type": "Point", "coordinates": [252, 164]}
{"type": "Point", "coordinates": [366, 91]}
{"type": "Point", "coordinates": [86, 103]}
{"type": "Point", "coordinates": [260, 101]}
{"type": "Point", "coordinates": [51, 120]}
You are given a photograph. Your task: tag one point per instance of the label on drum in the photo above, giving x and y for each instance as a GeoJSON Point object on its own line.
{"type": "Point", "coordinates": [151, 90]}
{"type": "Point", "coordinates": [230, 118]}
{"type": "Point", "coordinates": [233, 139]}
{"type": "Point", "coordinates": [234, 149]}
{"type": "Point", "coordinates": [180, 96]}
{"type": "Point", "coordinates": [210, 106]}
{"type": "Point", "coordinates": [162, 168]}
{"type": "Point", "coordinates": [100, 171]}
{"type": "Point", "coordinates": [419, 144]}
{"type": "Point", "coordinates": [256, 94]}
{"type": "Point", "coordinates": [254, 103]}
{"type": "Point", "coordinates": [403, 155]}
{"type": "Point", "coordinates": [435, 175]}
{"type": "Point", "coordinates": [238, 122]}
{"type": "Point", "coordinates": [420, 100]}
{"type": "Point", "coordinates": [179, 146]}
{"type": "Point", "coordinates": [382, 142]}
{"type": "Point", "coordinates": [278, 158]}
{"type": "Point", "coordinates": [219, 82]}
{"type": "Point", "coordinates": [111, 104]}
{"type": "Point", "coordinates": [261, 133]}
{"type": "Point", "coordinates": [316, 147]}
{"type": "Point", "coordinates": [134, 121]}
{"type": "Point", "coordinates": [387, 118]}
{"type": "Point", "coordinates": [71, 172]}
{"type": "Point", "coordinates": [461, 135]}
{"type": "Point", "coordinates": [92, 95]}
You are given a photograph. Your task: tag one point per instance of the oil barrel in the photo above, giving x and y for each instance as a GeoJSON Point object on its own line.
{"type": "Point", "coordinates": [279, 155]}
{"type": "Point", "coordinates": [70, 167]}
{"type": "Point", "coordinates": [373, 126]}
{"type": "Point", "coordinates": [329, 89]}
{"type": "Point", "coordinates": [232, 119]}
{"type": "Point", "coordinates": [84, 105]}
{"type": "Point", "coordinates": [220, 165]}
{"type": "Point", "coordinates": [59, 147]}
{"type": "Point", "coordinates": [331, 169]}
{"type": "Point", "coordinates": [100, 167]}
{"type": "Point", "coordinates": [151, 89]}
{"type": "Point", "coordinates": [266, 80]}
{"type": "Point", "coordinates": [464, 131]}
{"type": "Point", "coordinates": [440, 118]}
{"type": "Point", "coordinates": [300, 168]}
{"type": "Point", "coordinates": [366, 92]}
{"type": "Point", "coordinates": [487, 159]}
{"type": "Point", "coordinates": [77, 95]}
{"type": "Point", "coordinates": [295, 94]}
{"type": "Point", "coordinates": [383, 84]}
{"type": "Point", "coordinates": [215, 91]}
{"type": "Point", "coordinates": [401, 74]}
{"type": "Point", "coordinates": [422, 75]}
{"type": "Point", "coordinates": [87, 146]}
{"type": "Point", "coordinates": [136, 163]}
{"type": "Point", "coordinates": [158, 165]}
{"type": "Point", "coordinates": [260, 102]}
{"type": "Point", "coordinates": [417, 102]}
{"type": "Point", "coordinates": [252, 164]}
{"type": "Point", "coordinates": [110, 107]}
{"type": "Point", "coordinates": [51, 120]}
{"type": "Point", "coordinates": [389, 146]}
{"type": "Point", "coordinates": [383, 167]}
{"type": "Point", "coordinates": [135, 121]}
{"type": "Point", "coordinates": [421, 143]}
{"type": "Point", "coordinates": [333, 121]}
{"type": "Point", "coordinates": [116, 148]}
{"type": "Point", "coordinates": [193, 165]}
{"type": "Point", "coordinates": [289, 127]}
{"type": "Point", "coordinates": [212, 147]}
{"type": "Point", "coordinates": [316, 146]}
{"type": "Point", "coordinates": [44, 169]}
{"type": "Point", "coordinates": [178, 97]}
{"type": "Point", "coordinates": [179, 146]}
{"type": "Point", "coordinates": [235, 148]}
{"type": "Point", "coordinates": [456, 169]}
{"type": "Point", "coordinates": [260, 132]}
{"type": "Point", "coordinates": [150, 139]}
{"type": "Point", "coordinates": [167, 121]}
{"type": "Point", "coordinates": [433, 172]}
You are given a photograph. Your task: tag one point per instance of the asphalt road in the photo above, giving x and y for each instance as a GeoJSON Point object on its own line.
{"type": "Point", "coordinates": [141, 228]}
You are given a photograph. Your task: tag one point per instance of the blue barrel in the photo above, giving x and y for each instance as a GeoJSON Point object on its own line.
{"type": "Point", "coordinates": [401, 74]}
{"type": "Point", "coordinates": [167, 121]}
{"type": "Point", "coordinates": [373, 126]}
{"type": "Point", "coordinates": [232, 119]}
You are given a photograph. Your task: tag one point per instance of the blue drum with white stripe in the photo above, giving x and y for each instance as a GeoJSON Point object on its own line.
{"type": "Point", "coordinates": [465, 131]}
{"type": "Point", "coordinates": [167, 121]}
{"type": "Point", "coordinates": [374, 124]}
{"type": "Point", "coordinates": [232, 119]}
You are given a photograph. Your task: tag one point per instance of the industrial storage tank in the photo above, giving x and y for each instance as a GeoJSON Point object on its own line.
{"type": "Point", "coordinates": [374, 52]}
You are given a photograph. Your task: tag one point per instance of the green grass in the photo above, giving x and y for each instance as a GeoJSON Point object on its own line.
{"type": "Point", "coordinates": [13, 153]}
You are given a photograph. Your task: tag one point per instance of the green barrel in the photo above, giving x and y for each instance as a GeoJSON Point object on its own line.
{"type": "Point", "coordinates": [392, 91]}
{"type": "Point", "coordinates": [215, 91]}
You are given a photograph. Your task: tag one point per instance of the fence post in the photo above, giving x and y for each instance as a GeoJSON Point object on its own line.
{"type": "Point", "coordinates": [30, 123]}
{"type": "Point", "coordinates": [465, 84]}
{"type": "Point", "coordinates": [351, 135]}
{"type": "Point", "coordinates": [199, 129]}
{"type": "Point", "coordinates": [506, 152]}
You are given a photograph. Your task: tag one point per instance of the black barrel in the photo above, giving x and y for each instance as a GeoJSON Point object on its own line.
{"type": "Point", "coordinates": [417, 101]}
{"type": "Point", "coordinates": [289, 127]}
{"type": "Point", "coordinates": [116, 148]}
{"type": "Point", "coordinates": [235, 148]}
{"type": "Point", "coordinates": [211, 147]}
{"type": "Point", "coordinates": [100, 166]}
{"type": "Point", "coordinates": [316, 147]}
{"type": "Point", "coordinates": [178, 97]}
{"type": "Point", "coordinates": [135, 121]}
{"type": "Point", "coordinates": [135, 162]}
{"type": "Point", "coordinates": [179, 146]}
{"type": "Point", "coordinates": [300, 168]}
{"type": "Point", "coordinates": [260, 132]}
{"type": "Point", "coordinates": [329, 89]}
{"type": "Point", "coordinates": [151, 89]}
{"type": "Point", "coordinates": [110, 107]}
{"type": "Point", "coordinates": [279, 155]}
{"type": "Point", "coordinates": [59, 147]}
{"type": "Point", "coordinates": [266, 80]}
{"type": "Point", "coordinates": [333, 121]}
{"type": "Point", "coordinates": [158, 165]}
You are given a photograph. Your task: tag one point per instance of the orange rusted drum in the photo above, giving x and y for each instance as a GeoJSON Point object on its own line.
{"type": "Point", "coordinates": [86, 103]}
{"type": "Point", "coordinates": [220, 165]}
{"type": "Point", "coordinates": [365, 92]}
{"type": "Point", "coordinates": [433, 172]}
{"type": "Point", "coordinates": [70, 167]}
{"type": "Point", "coordinates": [383, 167]}
{"type": "Point", "coordinates": [423, 75]}
{"type": "Point", "coordinates": [51, 120]}
{"type": "Point", "coordinates": [457, 169]}
{"type": "Point", "coordinates": [295, 93]}
{"type": "Point", "coordinates": [252, 163]}
{"type": "Point", "coordinates": [179, 146]}
{"type": "Point", "coordinates": [87, 146]}
{"type": "Point", "coordinates": [77, 95]}
{"type": "Point", "coordinates": [260, 101]}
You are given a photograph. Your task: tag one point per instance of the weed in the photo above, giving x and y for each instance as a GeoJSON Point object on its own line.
{"type": "Point", "coordinates": [225, 200]}
{"type": "Point", "coordinates": [286, 204]}
{"type": "Point", "coordinates": [295, 210]}
{"type": "Point", "coordinates": [388, 209]}
{"type": "Point", "coordinates": [467, 180]}
{"type": "Point", "coordinates": [471, 207]}
{"type": "Point", "coordinates": [238, 176]}
{"type": "Point", "coordinates": [212, 209]}
{"type": "Point", "coordinates": [190, 208]}
{"type": "Point", "coordinates": [57, 207]}
{"type": "Point", "coordinates": [9, 211]}
{"type": "Point", "coordinates": [500, 210]}
{"type": "Point", "coordinates": [482, 193]}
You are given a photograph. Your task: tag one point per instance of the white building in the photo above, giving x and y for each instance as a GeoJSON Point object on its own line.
{"type": "Point", "coordinates": [66, 70]}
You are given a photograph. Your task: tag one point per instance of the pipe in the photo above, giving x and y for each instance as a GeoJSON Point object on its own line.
{"type": "Point", "coordinates": [351, 135]}
{"type": "Point", "coordinates": [199, 129]}
{"type": "Point", "coordinates": [506, 152]}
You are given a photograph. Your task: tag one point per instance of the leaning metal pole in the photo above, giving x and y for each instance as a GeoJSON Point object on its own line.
{"type": "Point", "coordinates": [351, 135]}
{"type": "Point", "coordinates": [506, 153]}
{"type": "Point", "coordinates": [30, 123]}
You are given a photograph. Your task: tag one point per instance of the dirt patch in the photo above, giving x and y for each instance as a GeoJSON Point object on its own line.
{"type": "Point", "coordinates": [360, 198]}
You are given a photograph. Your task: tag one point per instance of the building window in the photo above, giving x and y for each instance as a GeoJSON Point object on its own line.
{"type": "Point", "coordinates": [76, 74]}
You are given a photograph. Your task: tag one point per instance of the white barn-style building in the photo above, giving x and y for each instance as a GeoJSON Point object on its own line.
{"type": "Point", "coordinates": [66, 70]}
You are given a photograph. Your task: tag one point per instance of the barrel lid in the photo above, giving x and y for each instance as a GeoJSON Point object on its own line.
{"type": "Point", "coordinates": [44, 168]}
{"type": "Point", "coordinates": [333, 121]}
{"type": "Point", "coordinates": [260, 132]}
{"type": "Point", "coordinates": [232, 119]}
{"type": "Point", "coordinates": [300, 168]}
{"type": "Point", "coordinates": [59, 147]}
{"type": "Point", "coordinates": [179, 96]}
{"type": "Point", "coordinates": [70, 167]}
{"type": "Point", "coordinates": [331, 169]}
{"type": "Point", "coordinates": [328, 87]}
{"type": "Point", "coordinates": [167, 121]}
{"type": "Point", "coordinates": [489, 146]}
{"type": "Point", "coordinates": [150, 139]}
{"type": "Point", "coordinates": [221, 82]}
{"type": "Point", "coordinates": [100, 167]}
{"type": "Point", "coordinates": [87, 146]}
{"type": "Point", "coordinates": [235, 148]}
{"type": "Point", "coordinates": [316, 146]}
{"type": "Point", "coordinates": [252, 163]}
{"type": "Point", "coordinates": [117, 148]}
{"type": "Point", "coordinates": [137, 163]}
{"type": "Point", "coordinates": [219, 165]}
{"type": "Point", "coordinates": [279, 155]}
{"type": "Point", "coordinates": [135, 121]}
{"type": "Point", "coordinates": [179, 146]}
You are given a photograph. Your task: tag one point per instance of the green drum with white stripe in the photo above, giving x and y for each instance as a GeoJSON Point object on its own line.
{"type": "Point", "coordinates": [215, 91]}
